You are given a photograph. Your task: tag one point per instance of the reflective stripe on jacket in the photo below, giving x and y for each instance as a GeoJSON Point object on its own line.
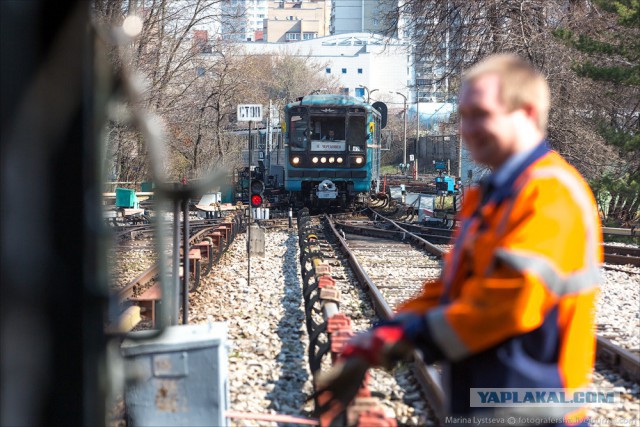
{"type": "Point", "coordinates": [515, 304]}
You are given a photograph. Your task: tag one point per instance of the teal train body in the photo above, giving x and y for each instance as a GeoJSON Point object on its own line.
{"type": "Point", "coordinates": [332, 146]}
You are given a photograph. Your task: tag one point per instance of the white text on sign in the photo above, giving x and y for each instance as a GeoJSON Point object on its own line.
{"type": "Point", "coordinates": [250, 112]}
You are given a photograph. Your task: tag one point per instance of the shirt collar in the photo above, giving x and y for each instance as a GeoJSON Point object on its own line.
{"type": "Point", "coordinates": [502, 174]}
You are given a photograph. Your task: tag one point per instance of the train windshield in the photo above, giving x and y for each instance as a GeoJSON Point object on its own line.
{"type": "Point", "coordinates": [298, 138]}
{"type": "Point", "coordinates": [357, 135]}
{"type": "Point", "coordinates": [328, 129]}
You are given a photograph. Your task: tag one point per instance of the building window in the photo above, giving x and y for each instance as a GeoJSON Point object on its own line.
{"type": "Point", "coordinates": [200, 71]}
{"type": "Point", "coordinates": [344, 90]}
{"type": "Point", "coordinates": [292, 36]}
{"type": "Point", "coordinates": [309, 36]}
{"type": "Point", "coordinates": [328, 70]}
{"type": "Point", "coordinates": [360, 92]}
{"type": "Point", "coordinates": [344, 71]}
{"type": "Point", "coordinates": [359, 70]}
{"type": "Point", "coordinates": [375, 22]}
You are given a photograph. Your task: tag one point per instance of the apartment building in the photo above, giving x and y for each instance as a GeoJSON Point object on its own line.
{"type": "Point", "coordinates": [290, 21]}
{"type": "Point", "coordinates": [353, 16]}
{"type": "Point", "coordinates": [243, 19]}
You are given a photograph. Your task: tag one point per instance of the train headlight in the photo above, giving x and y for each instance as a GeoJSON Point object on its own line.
{"type": "Point", "coordinates": [295, 160]}
{"type": "Point", "coordinates": [314, 160]}
{"type": "Point", "coordinates": [323, 160]}
{"type": "Point", "coordinates": [339, 159]}
{"type": "Point", "coordinates": [359, 160]}
{"type": "Point", "coordinates": [332, 159]}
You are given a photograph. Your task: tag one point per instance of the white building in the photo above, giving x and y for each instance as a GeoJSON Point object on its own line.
{"type": "Point", "coordinates": [357, 61]}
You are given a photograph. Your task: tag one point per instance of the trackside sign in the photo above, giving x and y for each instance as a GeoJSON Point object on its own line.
{"type": "Point", "coordinates": [249, 112]}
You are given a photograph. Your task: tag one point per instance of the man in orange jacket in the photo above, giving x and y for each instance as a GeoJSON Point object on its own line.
{"type": "Point", "coordinates": [514, 306]}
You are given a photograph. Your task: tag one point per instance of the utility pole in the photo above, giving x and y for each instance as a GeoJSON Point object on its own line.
{"type": "Point", "coordinates": [267, 147]}
{"type": "Point", "coordinates": [404, 152]}
{"type": "Point", "coordinates": [417, 113]}
{"type": "Point", "coordinates": [367, 89]}
{"type": "Point", "coordinates": [459, 155]}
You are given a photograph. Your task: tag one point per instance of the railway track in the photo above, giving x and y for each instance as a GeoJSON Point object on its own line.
{"type": "Point", "coordinates": [212, 237]}
{"type": "Point", "coordinates": [397, 270]}
{"type": "Point", "coordinates": [622, 360]}
{"type": "Point", "coordinates": [374, 249]}
{"type": "Point", "coordinates": [370, 269]}
{"type": "Point", "coordinates": [622, 255]}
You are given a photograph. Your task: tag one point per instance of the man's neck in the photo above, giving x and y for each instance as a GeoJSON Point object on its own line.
{"type": "Point", "coordinates": [502, 173]}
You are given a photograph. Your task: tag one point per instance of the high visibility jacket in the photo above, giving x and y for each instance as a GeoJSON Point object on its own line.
{"type": "Point", "coordinates": [515, 304]}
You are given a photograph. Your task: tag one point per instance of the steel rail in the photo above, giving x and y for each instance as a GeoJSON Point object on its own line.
{"type": "Point", "coordinates": [417, 240]}
{"type": "Point", "coordinates": [621, 250]}
{"type": "Point", "coordinates": [624, 361]}
{"type": "Point", "coordinates": [622, 259]}
{"type": "Point", "coordinates": [146, 276]}
{"type": "Point", "coordinates": [385, 233]}
{"type": "Point", "coordinates": [425, 375]}
{"type": "Point", "coordinates": [126, 292]}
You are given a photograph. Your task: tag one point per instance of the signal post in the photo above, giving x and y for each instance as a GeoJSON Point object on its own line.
{"type": "Point", "coordinates": [250, 113]}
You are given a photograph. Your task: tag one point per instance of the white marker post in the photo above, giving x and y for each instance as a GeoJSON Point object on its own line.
{"type": "Point", "coordinates": [249, 113]}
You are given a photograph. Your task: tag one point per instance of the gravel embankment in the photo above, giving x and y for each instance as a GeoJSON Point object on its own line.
{"type": "Point", "coordinates": [268, 365]}
{"type": "Point", "coordinates": [618, 314]}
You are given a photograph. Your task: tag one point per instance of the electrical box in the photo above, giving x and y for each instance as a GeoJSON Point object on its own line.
{"type": "Point", "coordinates": [126, 198]}
{"type": "Point", "coordinates": [445, 183]}
{"type": "Point", "coordinates": [426, 207]}
{"type": "Point", "coordinates": [180, 377]}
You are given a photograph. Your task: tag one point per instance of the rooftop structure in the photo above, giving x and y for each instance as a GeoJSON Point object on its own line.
{"type": "Point", "coordinates": [361, 62]}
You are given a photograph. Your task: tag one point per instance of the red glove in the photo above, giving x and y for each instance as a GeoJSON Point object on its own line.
{"type": "Point", "coordinates": [380, 346]}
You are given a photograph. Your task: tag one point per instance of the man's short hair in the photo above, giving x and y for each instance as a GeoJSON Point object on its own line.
{"type": "Point", "coordinates": [520, 83]}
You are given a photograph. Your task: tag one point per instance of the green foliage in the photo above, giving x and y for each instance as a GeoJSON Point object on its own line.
{"type": "Point", "coordinates": [563, 34]}
{"type": "Point", "coordinates": [589, 45]}
{"type": "Point", "coordinates": [628, 10]}
{"type": "Point", "coordinates": [388, 169]}
{"type": "Point", "coordinates": [626, 141]}
{"type": "Point", "coordinates": [611, 190]}
{"type": "Point", "coordinates": [629, 76]}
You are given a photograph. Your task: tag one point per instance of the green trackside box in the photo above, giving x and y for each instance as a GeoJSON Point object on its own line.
{"type": "Point", "coordinates": [126, 198]}
{"type": "Point", "coordinates": [147, 187]}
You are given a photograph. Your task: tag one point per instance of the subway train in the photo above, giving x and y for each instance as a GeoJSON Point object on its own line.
{"type": "Point", "coordinates": [332, 150]}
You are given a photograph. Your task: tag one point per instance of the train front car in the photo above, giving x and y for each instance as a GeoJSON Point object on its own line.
{"type": "Point", "coordinates": [333, 151]}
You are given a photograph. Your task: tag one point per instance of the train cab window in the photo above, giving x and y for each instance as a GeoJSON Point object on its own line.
{"type": "Point", "coordinates": [298, 137]}
{"type": "Point", "coordinates": [325, 128]}
{"type": "Point", "coordinates": [357, 135]}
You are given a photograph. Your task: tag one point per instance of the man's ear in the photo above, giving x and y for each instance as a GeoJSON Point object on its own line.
{"type": "Point", "coordinates": [531, 112]}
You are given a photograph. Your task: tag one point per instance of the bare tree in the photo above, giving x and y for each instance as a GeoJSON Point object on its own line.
{"type": "Point", "coordinates": [454, 34]}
